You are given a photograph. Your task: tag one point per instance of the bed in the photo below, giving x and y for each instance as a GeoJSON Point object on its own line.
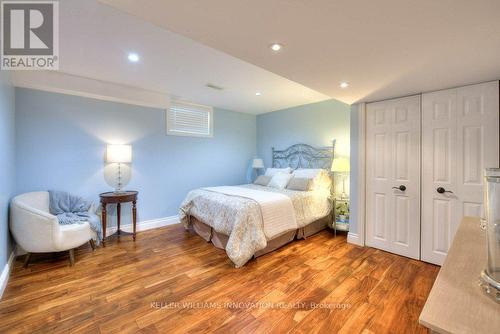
{"type": "Point", "coordinates": [252, 220]}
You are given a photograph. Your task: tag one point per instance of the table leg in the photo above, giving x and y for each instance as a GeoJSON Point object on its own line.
{"type": "Point", "coordinates": [103, 218]}
{"type": "Point", "coordinates": [134, 214]}
{"type": "Point", "coordinates": [118, 216]}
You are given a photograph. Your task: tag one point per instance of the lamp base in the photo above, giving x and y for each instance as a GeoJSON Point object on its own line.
{"type": "Point", "coordinates": [118, 189]}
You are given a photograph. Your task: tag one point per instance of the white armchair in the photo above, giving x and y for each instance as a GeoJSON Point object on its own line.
{"type": "Point", "coordinates": [37, 231]}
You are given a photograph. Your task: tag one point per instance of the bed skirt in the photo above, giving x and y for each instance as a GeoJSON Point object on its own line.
{"type": "Point", "coordinates": [219, 240]}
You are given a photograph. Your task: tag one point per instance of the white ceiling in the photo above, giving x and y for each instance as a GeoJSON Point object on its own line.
{"type": "Point", "coordinates": [95, 40]}
{"type": "Point", "coordinates": [383, 48]}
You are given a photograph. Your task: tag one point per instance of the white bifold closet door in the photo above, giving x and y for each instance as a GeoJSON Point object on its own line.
{"type": "Point", "coordinates": [393, 176]}
{"type": "Point", "coordinates": [460, 137]}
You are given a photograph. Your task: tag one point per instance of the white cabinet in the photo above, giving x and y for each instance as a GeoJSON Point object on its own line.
{"type": "Point", "coordinates": [460, 137]}
{"type": "Point", "coordinates": [436, 145]}
{"type": "Point", "coordinates": [393, 176]}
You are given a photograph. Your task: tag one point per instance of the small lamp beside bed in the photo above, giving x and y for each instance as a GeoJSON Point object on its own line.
{"type": "Point", "coordinates": [341, 166]}
{"type": "Point", "coordinates": [257, 164]}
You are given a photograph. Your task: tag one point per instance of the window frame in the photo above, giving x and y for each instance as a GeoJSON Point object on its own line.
{"type": "Point", "coordinates": [173, 132]}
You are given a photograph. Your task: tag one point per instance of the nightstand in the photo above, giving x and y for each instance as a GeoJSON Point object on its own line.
{"type": "Point", "coordinates": [118, 198]}
{"type": "Point", "coordinates": [341, 221]}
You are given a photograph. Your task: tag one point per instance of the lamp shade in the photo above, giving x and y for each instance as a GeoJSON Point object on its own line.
{"type": "Point", "coordinates": [340, 164]}
{"type": "Point", "coordinates": [119, 153]}
{"type": "Point", "coordinates": [257, 163]}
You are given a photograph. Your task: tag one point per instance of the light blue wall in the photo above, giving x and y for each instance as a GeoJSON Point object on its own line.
{"type": "Point", "coordinates": [315, 124]}
{"type": "Point", "coordinates": [61, 142]}
{"type": "Point", "coordinates": [7, 160]}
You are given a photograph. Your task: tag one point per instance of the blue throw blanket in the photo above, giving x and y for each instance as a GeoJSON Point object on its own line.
{"type": "Point", "coordinates": [71, 209]}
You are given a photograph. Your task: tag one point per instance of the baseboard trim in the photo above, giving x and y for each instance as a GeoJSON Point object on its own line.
{"type": "Point", "coordinates": [353, 238]}
{"type": "Point", "coordinates": [4, 278]}
{"type": "Point", "coordinates": [146, 225]}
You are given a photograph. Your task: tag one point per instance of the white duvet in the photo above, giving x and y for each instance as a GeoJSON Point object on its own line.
{"type": "Point", "coordinates": [278, 215]}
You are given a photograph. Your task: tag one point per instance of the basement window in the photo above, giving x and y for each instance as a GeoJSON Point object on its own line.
{"type": "Point", "coordinates": [189, 119]}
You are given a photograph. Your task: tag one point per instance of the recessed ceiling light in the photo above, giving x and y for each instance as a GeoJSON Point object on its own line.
{"type": "Point", "coordinates": [133, 57]}
{"type": "Point", "coordinates": [344, 85]}
{"type": "Point", "coordinates": [258, 93]}
{"type": "Point", "coordinates": [276, 47]}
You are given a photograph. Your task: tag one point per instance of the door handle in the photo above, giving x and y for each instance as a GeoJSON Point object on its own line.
{"type": "Point", "coordinates": [441, 190]}
{"type": "Point", "coordinates": [401, 187]}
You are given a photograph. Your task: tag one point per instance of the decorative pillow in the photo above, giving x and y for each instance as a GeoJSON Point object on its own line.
{"type": "Point", "coordinates": [273, 171]}
{"type": "Point", "coordinates": [299, 183]}
{"type": "Point", "coordinates": [280, 180]}
{"type": "Point", "coordinates": [262, 180]}
{"type": "Point", "coordinates": [309, 173]}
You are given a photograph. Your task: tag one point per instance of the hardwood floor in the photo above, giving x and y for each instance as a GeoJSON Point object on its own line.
{"type": "Point", "coordinates": [134, 287]}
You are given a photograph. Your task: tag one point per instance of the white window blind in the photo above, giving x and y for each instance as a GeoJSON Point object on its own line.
{"type": "Point", "coordinates": [189, 119]}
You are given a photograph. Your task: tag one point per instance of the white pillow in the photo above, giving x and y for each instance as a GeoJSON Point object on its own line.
{"type": "Point", "coordinates": [273, 171]}
{"type": "Point", "coordinates": [280, 180]}
{"type": "Point", "coordinates": [308, 173]}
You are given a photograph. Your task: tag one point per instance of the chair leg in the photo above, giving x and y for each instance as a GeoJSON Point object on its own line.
{"type": "Point", "coordinates": [92, 244]}
{"type": "Point", "coordinates": [27, 260]}
{"type": "Point", "coordinates": [71, 257]}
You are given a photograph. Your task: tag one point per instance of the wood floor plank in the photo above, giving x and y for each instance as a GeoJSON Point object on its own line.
{"type": "Point", "coordinates": [127, 286]}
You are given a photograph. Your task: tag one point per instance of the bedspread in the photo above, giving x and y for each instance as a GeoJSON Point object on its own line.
{"type": "Point", "coordinates": [276, 209]}
{"type": "Point", "coordinates": [240, 218]}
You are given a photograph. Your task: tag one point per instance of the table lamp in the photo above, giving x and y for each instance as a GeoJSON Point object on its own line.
{"type": "Point", "coordinates": [257, 164]}
{"type": "Point", "coordinates": [119, 154]}
{"type": "Point", "coordinates": [341, 165]}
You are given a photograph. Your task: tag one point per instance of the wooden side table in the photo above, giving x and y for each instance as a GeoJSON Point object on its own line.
{"type": "Point", "coordinates": [118, 198]}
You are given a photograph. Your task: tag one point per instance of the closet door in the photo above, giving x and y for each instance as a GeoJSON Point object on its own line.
{"type": "Point", "coordinates": [393, 176]}
{"type": "Point", "coordinates": [439, 158]}
{"type": "Point", "coordinates": [378, 174]}
{"type": "Point", "coordinates": [460, 137]}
